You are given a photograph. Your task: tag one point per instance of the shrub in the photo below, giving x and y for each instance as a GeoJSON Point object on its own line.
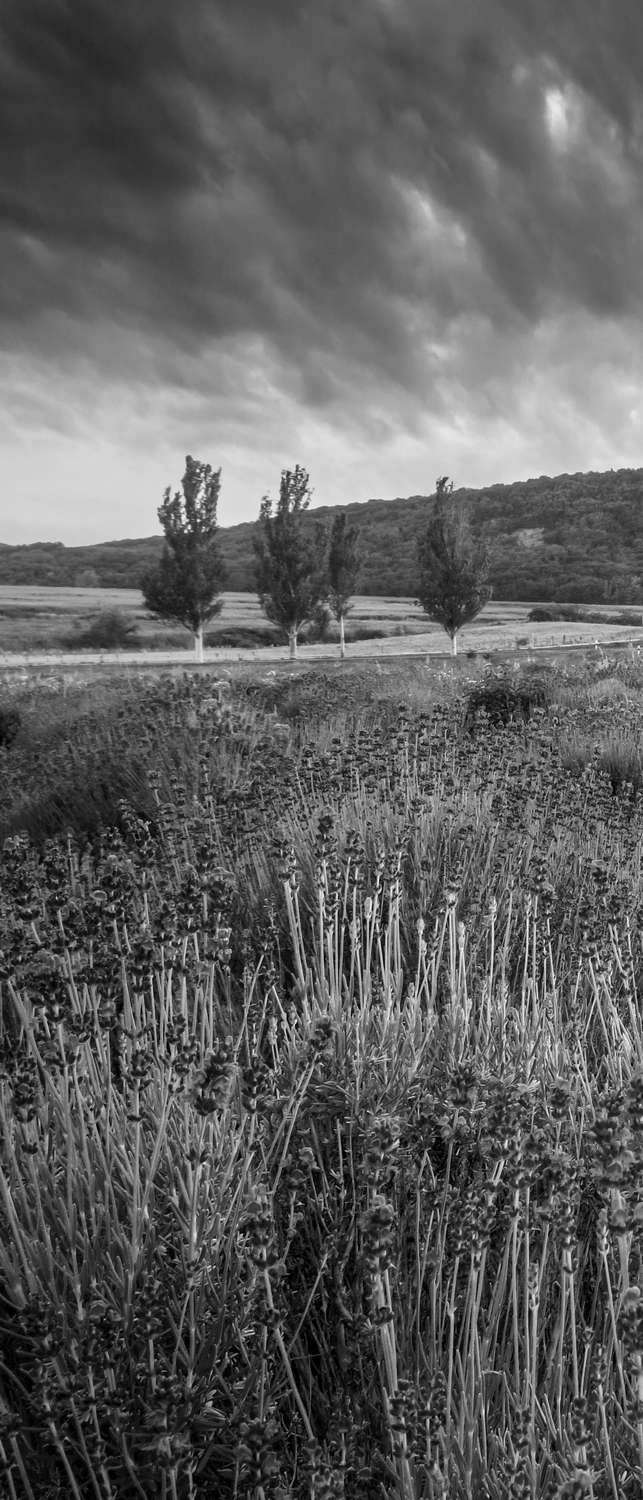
{"type": "Point", "coordinates": [161, 640]}
{"type": "Point", "coordinates": [540, 615]}
{"type": "Point", "coordinates": [502, 701]}
{"type": "Point", "coordinates": [573, 613]}
{"type": "Point", "coordinates": [366, 632]}
{"type": "Point", "coordinates": [110, 631]}
{"type": "Point", "coordinates": [239, 637]}
{"type": "Point", "coordinates": [570, 612]}
{"type": "Point", "coordinates": [629, 618]}
{"type": "Point", "coordinates": [319, 627]}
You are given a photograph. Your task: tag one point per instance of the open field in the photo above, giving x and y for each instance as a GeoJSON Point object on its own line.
{"type": "Point", "coordinates": [321, 1082]}
{"type": "Point", "coordinates": [37, 619]}
{"type": "Point", "coordinates": [41, 623]}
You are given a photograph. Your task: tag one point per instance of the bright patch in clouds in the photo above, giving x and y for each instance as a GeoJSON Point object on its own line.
{"type": "Point", "coordinates": [557, 115]}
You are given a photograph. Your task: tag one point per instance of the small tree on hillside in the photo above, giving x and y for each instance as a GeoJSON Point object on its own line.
{"type": "Point", "coordinates": [185, 585]}
{"type": "Point", "coordinates": [343, 568]}
{"type": "Point", "coordinates": [453, 568]}
{"type": "Point", "coordinates": [88, 578]}
{"type": "Point", "coordinates": [290, 571]}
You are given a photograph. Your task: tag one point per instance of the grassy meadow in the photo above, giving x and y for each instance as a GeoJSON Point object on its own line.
{"type": "Point", "coordinates": [56, 621]}
{"type": "Point", "coordinates": [36, 618]}
{"type": "Point", "coordinates": [321, 1083]}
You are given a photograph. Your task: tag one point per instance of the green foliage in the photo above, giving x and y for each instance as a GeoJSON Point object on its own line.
{"type": "Point", "coordinates": [241, 637]}
{"type": "Point", "coordinates": [499, 701]}
{"type": "Point", "coordinates": [290, 573]}
{"type": "Point", "coordinates": [543, 614]}
{"type": "Point", "coordinates": [453, 568]}
{"type": "Point", "coordinates": [319, 626]}
{"type": "Point", "coordinates": [363, 631]}
{"type": "Point", "coordinates": [110, 631]}
{"type": "Point", "coordinates": [343, 564]}
{"type": "Point", "coordinates": [587, 616]}
{"type": "Point", "coordinates": [185, 584]}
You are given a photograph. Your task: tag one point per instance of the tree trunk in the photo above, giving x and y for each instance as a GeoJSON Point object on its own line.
{"type": "Point", "coordinates": [198, 644]}
{"type": "Point", "coordinates": [292, 642]}
{"type": "Point", "coordinates": [454, 644]}
{"type": "Point", "coordinates": [342, 643]}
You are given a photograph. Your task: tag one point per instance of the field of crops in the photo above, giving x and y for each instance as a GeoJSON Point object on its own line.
{"type": "Point", "coordinates": [321, 1085]}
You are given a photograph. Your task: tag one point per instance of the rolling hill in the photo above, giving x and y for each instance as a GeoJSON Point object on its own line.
{"type": "Point", "coordinates": [574, 538]}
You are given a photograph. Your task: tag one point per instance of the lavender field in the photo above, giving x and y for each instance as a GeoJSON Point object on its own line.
{"type": "Point", "coordinates": [321, 1085]}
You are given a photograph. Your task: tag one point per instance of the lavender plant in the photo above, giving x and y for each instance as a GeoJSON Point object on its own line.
{"type": "Point", "coordinates": [321, 1114]}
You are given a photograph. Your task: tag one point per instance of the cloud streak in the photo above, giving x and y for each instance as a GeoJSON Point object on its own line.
{"type": "Point", "coordinates": [347, 220]}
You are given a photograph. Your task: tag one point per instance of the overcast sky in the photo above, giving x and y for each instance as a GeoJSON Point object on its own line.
{"type": "Point", "coordinates": [384, 239]}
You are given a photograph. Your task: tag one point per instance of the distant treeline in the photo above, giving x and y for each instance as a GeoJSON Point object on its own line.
{"type": "Point", "coordinates": [577, 537]}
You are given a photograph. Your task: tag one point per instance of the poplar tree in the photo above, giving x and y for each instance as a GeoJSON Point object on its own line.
{"type": "Point", "coordinates": [343, 568]}
{"type": "Point", "coordinates": [185, 586]}
{"type": "Point", "coordinates": [290, 557]}
{"type": "Point", "coordinates": [453, 568]}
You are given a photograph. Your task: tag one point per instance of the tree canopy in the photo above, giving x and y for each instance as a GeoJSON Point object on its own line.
{"type": "Point", "coordinates": [290, 571]}
{"type": "Point", "coordinates": [185, 585]}
{"type": "Point", "coordinates": [454, 584]}
{"type": "Point", "coordinates": [343, 568]}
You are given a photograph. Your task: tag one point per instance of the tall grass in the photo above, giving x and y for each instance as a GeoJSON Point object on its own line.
{"type": "Point", "coordinates": [321, 1114]}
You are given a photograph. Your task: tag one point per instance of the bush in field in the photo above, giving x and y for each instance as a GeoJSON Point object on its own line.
{"type": "Point", "coordinates": [541, 615]}
{"type": "Point", "coordinates": [575, 615]}
{"type": "Point", "coordinates": [9, 725]}
{"type": "Point", "coordinates": [501, 702]}
{"type": "Point", "coordinates": [318, 630]}
{"type": "Point", "coordinates": [362, 631]}
{"type": "Point", "coordinates": [110, 631]}
{"type": "Point", "coordinates": [241, 637]}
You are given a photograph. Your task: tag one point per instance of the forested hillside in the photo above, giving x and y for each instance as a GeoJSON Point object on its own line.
{"type": "Point", "coordinates": [576, 537]}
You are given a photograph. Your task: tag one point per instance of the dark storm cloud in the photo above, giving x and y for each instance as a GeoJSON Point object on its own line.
{"type": "Point", "coordinates": [350, 183]}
